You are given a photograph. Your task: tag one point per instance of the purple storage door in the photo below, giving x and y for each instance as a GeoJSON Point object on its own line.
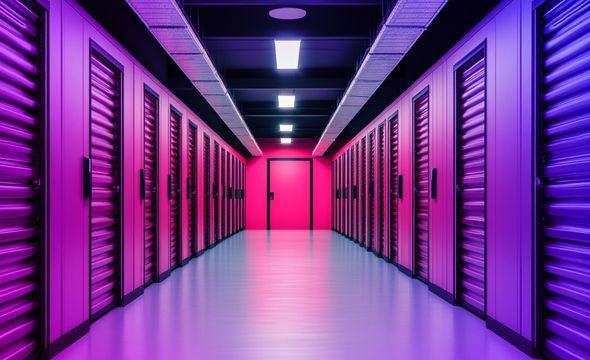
{"type": "Point", "coordinates": [422, 186]}
{"type": "Point", "coordinates": [471, 182]}
{"type": "Point", "coordinates": [150, 185]}
{"type": "Point", "coordinates": [174, 193]}
{"type": "Point", "coordinates": [216, 210]}
{"type": "Point", "coordinates": [363, 192]}
{"type": "Point", "coordinates": [22, 176]}
{"type": "Point", "coordinates": [393, 188]}
{"type": "Point", "coordinates": [207, 191]}
{"type": "Point", "coordinates": [346, 197]}
{"type": "Point", "coordinates": [381, 181]}
{"type": "Point", "coordinates": [191, 191]}
{"type": "Point", "coordinates": [356, 193]}
{"type": "Point", "coordinates": [223, 209]}
{"type": "Point", "coordinates": [372, 241]}
{"type": "Point", "coordinates": [350, 194]}
{"type": "Point", "coordinates": [338, 194]}
{"type": "Point", "coordinates": [564, 170]}
{"type": "Point", "coordinates": [243, 181]}
{"type": "Point", "coordinates": [333, 193]}
{"type": "Point", "coordinates": [105, 172]}
{"type": "Point", "coordinates": [353, 193]}
{"type": "Point", "coordinates": [233, 192]}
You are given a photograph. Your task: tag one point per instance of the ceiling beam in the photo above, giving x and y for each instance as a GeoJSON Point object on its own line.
{"type": "Point", "coordinates": [283, 2]}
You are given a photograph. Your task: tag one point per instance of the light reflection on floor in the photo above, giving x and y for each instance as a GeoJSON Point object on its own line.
{"type": "Point", "coordinates": [289, 295]}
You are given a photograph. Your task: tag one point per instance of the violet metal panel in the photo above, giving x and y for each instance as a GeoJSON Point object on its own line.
{"type": "Point", "coordinates": [394, 182]}
{"type": "Point", "coordinates": [192, 188]}
{"type": "Point", "coordinates": [174, 189]}
{"type": "Point", "coordinates": [363, 192]}
{"type": "Point", "coordinates": [206, 191]}
{"type": "Point", "coordinates": [150, 186]}
{"type": "Point", "coordinates": [381, 190]}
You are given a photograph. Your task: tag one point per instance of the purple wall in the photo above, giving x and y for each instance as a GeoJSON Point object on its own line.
{"type": "Point", "coordinates": [70, 32]}
{"type": "Point", "coordinates": [256, 182]}
{"type": "Point", "coordinates": [506, 31]}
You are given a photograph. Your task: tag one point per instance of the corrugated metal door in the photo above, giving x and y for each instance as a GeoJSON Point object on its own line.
{"type": "Point", "coordinates": [333, 181]}
{"type": "Point", "coordinates": [191, 188]}
{"type": "Point", "coordinates": [350, 193]}
{"type": "Point", "coordinates": [470, 183]}
{"type": "Point", "coordinates": [22, 174]}
{"type": "Point", "coordinates": [243, 182]}
{"type": "Point", "coordinates": [357, 192]}
{"type": "Point", "coordinates": [150, 185]}
{"type": "Point", "coordinates": [363, 192]}
{"type": "Point", "coordinates": [381, 181]}
{"type": "Point", "coordinates": [223, 197]}
{"type": "Point", "coordinates": [216, 210]}
{"type": "Point", "coordinates": [207, 191]}
{"type": "Point", "coordinates": [421, 186]}
{"type": "Point", "coordinates": [372, 241]}
{"type": "Point", "coordinates": [105, 172]}
{"type": "Point", "coordinates": [174, 193]}
{"type": "Point", "coordinates": [346, 193]}
{"type": "Point", "coordinates": [338, 194]}
{"type": "Point", "coordinates": [393, 188]}
{"type": "Point", "coordinates": [353, 194]}
{"type": "Point", "coordinates": [564, 169]}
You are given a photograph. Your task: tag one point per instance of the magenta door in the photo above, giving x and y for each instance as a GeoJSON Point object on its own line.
{"type": "Point", "coordinates": [289, 194]}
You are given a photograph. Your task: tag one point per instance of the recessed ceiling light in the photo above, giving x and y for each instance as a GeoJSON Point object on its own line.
{"type": "Point", "coordinates": [285, 140]}
{"type": "Point", "coordinates": [287, 13]}
{"type": "Point", "coordinates": [287, 54]}
{"type": "Point", "coordinates": [286, 101]}
{"type": "Point", "coordinates": [285, 127]}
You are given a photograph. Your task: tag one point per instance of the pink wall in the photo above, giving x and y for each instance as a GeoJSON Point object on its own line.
{"type": "Point", "coordinates": [506, 31]}
{"type": "Point", "coordinates": [256, 182]}
{"type": "Point", "coordinates": [71, 31]}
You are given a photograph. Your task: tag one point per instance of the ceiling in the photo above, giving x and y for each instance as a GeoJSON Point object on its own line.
{"type": "Point", "coordinates": [239, 37]}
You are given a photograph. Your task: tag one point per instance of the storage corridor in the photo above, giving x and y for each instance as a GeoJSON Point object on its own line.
{"type": "Point", "coordinates": [289, 295]}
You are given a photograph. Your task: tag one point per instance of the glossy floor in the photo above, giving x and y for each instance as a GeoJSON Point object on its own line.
{"type": "Point", "coordinates": [289, 295]}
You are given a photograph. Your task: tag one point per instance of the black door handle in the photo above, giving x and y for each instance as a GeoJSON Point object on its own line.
{"type": "Point", "coordinates": [142, 184]}
{"type": "Point", "coordinates": [271, 195]}
{"type": "Point", "coordinates": [434, 184]}
{"type": "Point", "coordinates": [400, 186]}
{"type": "Point", "coordinates": [86, 177]}
{"type": "Point", "coordinates": [169, 187]}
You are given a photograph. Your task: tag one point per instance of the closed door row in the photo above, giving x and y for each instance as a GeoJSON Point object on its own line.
{"type": "Point", "coordinates": [24, 140]}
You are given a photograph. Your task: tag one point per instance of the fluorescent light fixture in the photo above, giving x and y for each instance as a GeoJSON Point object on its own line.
{"type": "Point", "coordinates": [286, 101]}
{"type": "Point", "coordinates": [287, 54]}
{"type": "Point", "coordinates": [285, 140]}
{"type": "Point", "coordinates": [285, 127]}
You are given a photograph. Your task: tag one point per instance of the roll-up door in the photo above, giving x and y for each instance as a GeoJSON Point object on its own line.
{"type": "Point", "coordinates": [564, 183]}
{"type": "Point", "coordinates": [150, 185]}
{"type": "Point", "coordinates": [363, 192]}
{"type": "Point", "coordinates": [174, 192]}
{"type": "Point", "coordinates": [207, 191]}
{"type": "Point", "coordinates": [357, 193]}
{"type": "Point", "coordinates": [234, 191]}
{"type": "Point", "coordinates": [243, 195]}
{"type": "Point", "coordinates": [349, 193]}
{"type": "Point", "coordinates": [191, 188]}
{"type": "Point", "coordinates": [381, 181]}
{"type": "Point", "coordinates": [353, 194]}
{"type": "Point", "coordinates": [216, 210]}
{"type": "Point", "coordinates": [371, 183]}
{"type": "Point", "coordinates": [333, 195]}
{"type": "Point", "coordinates": [346, 197]}
{"type": "Point", "coordinates": [394, 181]}
{"type": "Point", "coordinates": [471, 182]}
{"type": "Point", "coordinates": [338, 194]}
{"type": "Point", "coordinates": [421, 186]}
{"type": "Point", "coordinates": [105, 172]}
{"type": "Point", "coordinates": [223, 197]}
{"type": "Point", "coordinates": [23, 177]}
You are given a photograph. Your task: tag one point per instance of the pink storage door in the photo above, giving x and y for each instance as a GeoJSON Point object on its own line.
{"type": "Point", "coordinates": [564, 178]}
{"type": "Point", "coordinates": [216, 208]}
{"type": "Point", "coordinates": [371, 183]}
{"type": "Point", "coordinates": [191, 191]}
{"type": "Point", "coordinates": [149, 185]}
{"type": "Point", "coordinates": [338, 194]}
{"type": "Point", "coordinates": [353, 194]}
{"type": "Point", "coordinates": [290, 194]}
{"type": "Point", "coordinates": [243, 197]}
{"type": "Point", "coordinates": [233, 194]}
{"type": "Point", "coordinates": [105, 180]}
{"type": "Point", "coordinates": [381, 181]}
{"type": "Point", "coordinates": [394, 188]}
{"type": "Point", "coordinates": [422, 186]}
{"type": "Point", "coordinates": [22, 176]}
{"type": "Point", "coordinates": [363, 192]}
{"type": "Point", "coordinates": [223, 209]}
{"type": "Point", "coordinates": [356, 193]}
{"type": "Point", "coordinates": [206, 191]}
{"type": "Point", "coordinates": [227, 214]}
{"type": "Point", "coordinates": [471, 183]}
{"type": "Point", "coordinates": [174, 191]}
{"type": "Point", "coordinates": [347, 192]}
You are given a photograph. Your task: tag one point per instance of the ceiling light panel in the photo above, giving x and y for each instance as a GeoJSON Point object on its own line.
{"type": "Point", "coordinates": [285, 127]}
{"type": "Point", "coordinates": [286, 101]}
{"type": "Point", "coordinates": [287, 54]}
{"type": "Point", "coordinates": [285, 140]}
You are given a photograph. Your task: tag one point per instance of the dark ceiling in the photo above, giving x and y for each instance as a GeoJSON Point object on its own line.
{"type": "Point", "coordinates": [239, 37]}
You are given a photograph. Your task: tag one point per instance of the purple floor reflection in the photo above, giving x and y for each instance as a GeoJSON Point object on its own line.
{"type": "Point", "coordinates": [289, 295]}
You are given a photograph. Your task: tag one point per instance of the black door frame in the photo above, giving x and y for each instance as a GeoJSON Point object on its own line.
{"type": "Point", "coordinates": [268, 163]}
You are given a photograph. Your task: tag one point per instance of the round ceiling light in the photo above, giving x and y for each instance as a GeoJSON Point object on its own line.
{"type": "Point", "coordinates": [287, 13]}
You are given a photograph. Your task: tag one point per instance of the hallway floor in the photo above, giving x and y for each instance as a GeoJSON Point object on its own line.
{"type": "Point", "coordinates": [289, 295]}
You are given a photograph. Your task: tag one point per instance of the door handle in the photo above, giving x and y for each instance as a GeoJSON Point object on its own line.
{"type": "Point", "coordinates": [434, 184]}
{"type": "Point", "coordinates": [142, 180]}
{"type": "Point", "coordinates": [86, 177]}
{"type": "Point", "coordinates": [400, 186]}
{"type": "Point", "coordinates": [169, 187]}
{"type": "Point", "coordinates": [271, 195]}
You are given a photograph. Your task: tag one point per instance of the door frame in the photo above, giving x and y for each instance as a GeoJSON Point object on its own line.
{"type": "Point", "coordinates": [268, 163]}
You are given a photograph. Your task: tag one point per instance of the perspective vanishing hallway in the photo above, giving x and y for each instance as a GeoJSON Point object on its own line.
{"type": "Point", "coordinates": [289, 295]}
